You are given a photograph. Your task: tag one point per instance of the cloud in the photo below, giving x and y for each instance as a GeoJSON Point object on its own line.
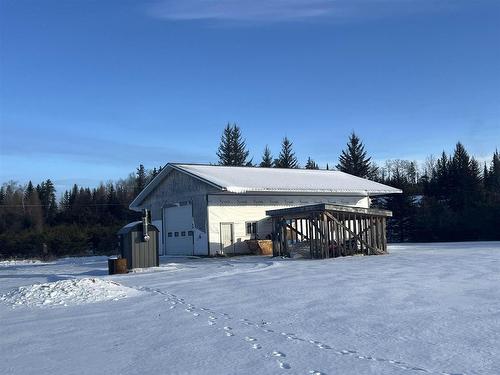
{"type": "Point", "coordinates": [242, 10]}
{"type": "Point", "coordinates": [286, 10]}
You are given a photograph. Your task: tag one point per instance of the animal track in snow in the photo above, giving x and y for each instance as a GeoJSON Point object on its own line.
{"type": "Point", "coordinates": [284, 365]}
{"type": "Point", "coordinates": [174, 301]}
{"type": "Point", "coordinates": [324, 346]}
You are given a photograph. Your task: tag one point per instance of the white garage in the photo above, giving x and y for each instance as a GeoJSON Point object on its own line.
{"type": "Point", "coordinates": [210, 210]}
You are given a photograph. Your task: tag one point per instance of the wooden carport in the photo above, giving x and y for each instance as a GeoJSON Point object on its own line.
{"type": "Point", "coordinates": [328, 230]}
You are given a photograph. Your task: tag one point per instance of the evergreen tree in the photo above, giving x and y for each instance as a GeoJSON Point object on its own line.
{"type": "Point", "coordinates": [232, 148]}
{"type": "Point", "coordinates": [400, 227]}
{"type": "Point", "coordinates": [311, 164]}
{"type": "Point", "coordinates": [286, 158]}
{"type": "Point", "coordinates": [2, 195]}
{"type": "Point", "coordinates": [353, 160]}
{"type": "Point", "coordinates": [267, 158]}
{"type": "Point", "coordinates": [464, 179]}
{"type": "Point", "coordinates": [47, 195]}
{"type": "Point", "coordinates": [33, 208]}
{"type": "Point", "coordinates": [140, 179]}
{"type": "Point", "coordinates": [492, 176]}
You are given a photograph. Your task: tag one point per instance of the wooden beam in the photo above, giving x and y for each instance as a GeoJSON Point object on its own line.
{"type": "Point", "coordinates": [352, 233]}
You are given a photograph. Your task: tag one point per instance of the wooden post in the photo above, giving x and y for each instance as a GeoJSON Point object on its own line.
{"type": "Point", "coordinates": [309, 235]}
{"type": "Point", "coordinates": [325, 235]}
{"type": "Point", "coordinates": [384, 233]}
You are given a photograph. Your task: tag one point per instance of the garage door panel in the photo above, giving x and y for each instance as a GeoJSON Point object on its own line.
{"type": "Point", "coordinates": [178, 224]}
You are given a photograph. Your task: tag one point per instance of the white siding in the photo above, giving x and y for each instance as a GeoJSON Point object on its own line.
{"type": "Point", "coordinates": [241, 209]}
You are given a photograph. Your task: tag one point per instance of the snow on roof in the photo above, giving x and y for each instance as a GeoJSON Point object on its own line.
{"type": "Point", "coordinates": [249, 179]}
{"type": "Point", "coordinates": [241, 180]}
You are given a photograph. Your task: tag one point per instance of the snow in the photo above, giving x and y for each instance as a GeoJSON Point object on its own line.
{"type": "Point", "coordinates": [19, 262]}
{"type": "Point", "coordinates": [240, 180]}
{"type": "Point", "coordinates": [422, 309]}
{"type": "Point", "coordinates": [68, 292]}
{"type": "Point", "coordinates": [247, 179]}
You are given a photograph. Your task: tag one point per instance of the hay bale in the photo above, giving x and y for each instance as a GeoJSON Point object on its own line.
{"type": "Point", "coordinates": [260, 247]}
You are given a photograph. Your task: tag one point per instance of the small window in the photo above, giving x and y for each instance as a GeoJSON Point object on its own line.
{"type": "Point", "coordinates": [251, 227]}
{"type": "Point", "coordinates": [190, 233]}
{"type": "Point", "coordinates": [170, 234]}
{"type": "Point", "coordinates": [176, 234]}
{"type": "Point", "coordinates": [183, 234]}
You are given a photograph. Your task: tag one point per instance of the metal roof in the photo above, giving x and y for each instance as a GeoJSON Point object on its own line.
{"type": "Point", "coordinates": [135, 226]}
{"type": "Point", "coordinates": [244, 180]}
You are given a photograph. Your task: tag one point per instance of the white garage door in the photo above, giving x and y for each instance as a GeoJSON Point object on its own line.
{"type": "Point", "coordinates": [178, 224]}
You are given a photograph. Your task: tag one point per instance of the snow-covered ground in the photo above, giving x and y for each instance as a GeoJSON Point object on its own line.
{"type": "Point", "coordinates": [422, 309]}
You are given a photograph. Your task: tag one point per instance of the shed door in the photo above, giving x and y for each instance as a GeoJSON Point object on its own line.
{"type": "Point", "coordinates": [178, 224]}
{"type": "Point", "coordinates": [226, 237]}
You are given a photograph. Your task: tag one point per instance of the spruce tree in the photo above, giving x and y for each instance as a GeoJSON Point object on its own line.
{"type": "Point", "coordinates": [232, 147]}
{"type": "Point", "coordinates": [2, 195]}
{"type": "Point", "coordinates": [47, 194]}
{"type": "Point", "coordinates": [286, 158]}
{"type": "Point", "coordinates": [140, 179]}
{"type": "Point", "coordinates": [267, 158]}
{"type": "Point", "coordinates": [492, 176]}
{"type": "Point", "coordinates": [33, 208]}
{"type": "Point", "coordinates": [311, 164]}
{"type": "Point", "coordinates": [354, 160]}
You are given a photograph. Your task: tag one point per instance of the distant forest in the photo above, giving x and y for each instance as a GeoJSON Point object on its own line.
{"type": "Point", "coordinates": [451, 197]}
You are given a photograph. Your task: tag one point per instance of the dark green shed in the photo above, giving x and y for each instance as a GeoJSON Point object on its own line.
{"type": "Point", "coordinates": [138, 246]}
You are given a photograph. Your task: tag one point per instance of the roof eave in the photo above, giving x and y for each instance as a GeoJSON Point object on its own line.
{"type": "Point", "coordinates": [135, 205]}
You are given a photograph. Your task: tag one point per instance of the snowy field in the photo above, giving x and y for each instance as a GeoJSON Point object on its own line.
{"type": "Point", "coordinates": [422, 309]}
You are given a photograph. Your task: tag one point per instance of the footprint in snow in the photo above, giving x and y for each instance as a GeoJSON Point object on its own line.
{"type": "Point", "coordinates": [229, 334]}
{"type": "Point", "coordinates": [196, 314]}
{"type": "Point", "coordinates": [212, 317]}
{"type": "Point", "coordinates": [284, 365]}
{"type": "Point", "coordinates": [248, 338]}
{"type": "Point", "coordinates": [211, 323]}
{"type": "Point", "coordinates": [256, 346]}
{"type": "Point", "coordinates": [278, 354]}
{"type": "Point", "coordinates": [314, 372]}
{"type": "Point", "coordinates": [324, 346]}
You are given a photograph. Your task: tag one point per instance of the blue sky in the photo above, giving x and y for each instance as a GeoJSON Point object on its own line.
{"type": "Point", "coordinates": [90, 89]}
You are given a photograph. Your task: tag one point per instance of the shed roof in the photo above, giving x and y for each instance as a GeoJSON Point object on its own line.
{"type": "Point", "coordinates": [305, 210]}
{"type": "Point", "coordinates": [135, 226]}
{"type": "Point", "coordinates": [243, 180]}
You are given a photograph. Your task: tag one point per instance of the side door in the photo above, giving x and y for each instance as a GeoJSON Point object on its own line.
{"type": "Point", "coordinates": [227, 238]}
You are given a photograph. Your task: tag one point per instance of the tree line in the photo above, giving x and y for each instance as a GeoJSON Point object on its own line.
{"type": "Point", "coordinates": [34, 223]}
{"type": "Point", "coordinates": [450, 198]}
